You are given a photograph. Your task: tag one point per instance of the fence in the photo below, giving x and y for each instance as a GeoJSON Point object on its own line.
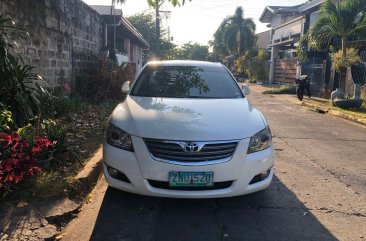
{"type": "Point", "coordinates": [285, 70]}
{"type": "Point", "coordinates": [316, 73]}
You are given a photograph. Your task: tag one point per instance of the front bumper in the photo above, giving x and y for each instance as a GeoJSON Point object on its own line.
{"type": "Point", "coordinates": [147, 176]}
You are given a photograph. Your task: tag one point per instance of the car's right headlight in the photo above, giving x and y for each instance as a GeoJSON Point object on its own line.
{"type": "Point", "coordinates": [260, 141]}
{"type": "Point", "coordinates": [118, 138]}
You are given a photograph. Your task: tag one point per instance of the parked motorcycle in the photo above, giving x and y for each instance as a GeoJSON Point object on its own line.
{"type": "Point", "coordinates": [303, 87]}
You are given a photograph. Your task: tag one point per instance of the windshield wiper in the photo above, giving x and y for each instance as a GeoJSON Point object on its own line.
{"type": "Point", "coordinates": [202, 97]}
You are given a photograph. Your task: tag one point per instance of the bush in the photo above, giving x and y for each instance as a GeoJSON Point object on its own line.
{"type": "Point", "coordinates": [104, 80]}
{"type": "Point", "coordinates": [284, 89]}
{"type": "Point", "coordinates": [47, 129]}
{"type": "Point", "coordinates": [55, 133]}
{"type": "Point", "coordinates": [339, 63]}
{"type": "Point", "coordinates": [6, 119]}
{"type": "Point", "coordinates": [20, 87]}
{"type": "Point", "coordinates": [254, 65]}
{"type": "Point", "coordinates": [18, 159]}
{"type": "Point", "coordinates": [60, 104]}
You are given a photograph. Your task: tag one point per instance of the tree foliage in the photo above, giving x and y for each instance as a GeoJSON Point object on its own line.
{"type": "Point", "coordinates": [235, 35]}
{"type": "Point", "coordinates": [218, 44]}
{"type": "Point", "coordinates": [152, 3]}
{"type": "Point", "coordinates": [192, 51]}
{"type": "Point", "coordinates": [341, 20]}
{"type": "Point", "coordinates": [254, 65]}
{"type": "Point", "coordinates": [144, 22]}
{"type": "Point", "coordinates": [20, 86]}
{"type": "Point", "coordinates": [338, 62]}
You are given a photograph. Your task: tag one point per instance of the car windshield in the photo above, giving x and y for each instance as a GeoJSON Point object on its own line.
{"type": "Point", "coordinates": [186, 82]}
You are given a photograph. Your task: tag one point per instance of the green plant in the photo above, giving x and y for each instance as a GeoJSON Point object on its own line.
{"type": "Point", "coordinates": [242, 63]}
{"type": "Point", "coordinates": [254, 65]}
{"type": "Point", "coordinates": [17, 159]}
{"type": "Point", "coordinates": [27, 132]}
{"type": "Point", "coordinates": [340, 62]}
{"type": "Point", "coordinates": [48, 129]}
{"type": "Point", "coordinates": [60, 104]}
{"type": "Point", "coordinates": [345, 20]}
{"type": "Point", "coordinates": [152, 3]}
{"type": "Point", "coordinates": [338, 22]}
{"type": "Point", "coordinates": [104, 80]}
{"type": "Point", "coordinates": [283, 89]}
{"type": "Point", "coordinates": [20, 86]}
{"type": "Point", "coordinates": [236, 34]}
{"type": "Point", "coordinates": [54, 133]}
{"type": "Point", "coordinates": [6, 119]}
{"type": "Point", "coordinates": [260, 66]}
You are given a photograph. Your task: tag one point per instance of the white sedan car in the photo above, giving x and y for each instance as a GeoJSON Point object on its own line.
{"type": "Point", "coordinates": [186, 130]}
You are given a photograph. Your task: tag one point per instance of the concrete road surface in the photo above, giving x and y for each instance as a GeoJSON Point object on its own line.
{"type": "Point", "coordinates": [318, 193]}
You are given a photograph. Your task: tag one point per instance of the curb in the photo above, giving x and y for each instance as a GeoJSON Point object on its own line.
{"type": "Point", "coordinates": [316, 108]}
{"type": "Point", "coordinates": [356, 119]}
{"type": "Point", "coordinates": [88, 177]}
{"type": "Point", "coordinates": [323, 110]}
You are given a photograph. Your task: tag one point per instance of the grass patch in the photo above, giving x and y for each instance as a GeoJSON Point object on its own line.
{"type": "Point", "coordinates": [283, 89]}
{"type": "Point", "coordinates": [323, 103]}
{"type": "Point", "coordinates": [359, 112]}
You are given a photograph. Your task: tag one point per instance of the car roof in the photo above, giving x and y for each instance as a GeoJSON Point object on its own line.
{"type": "Point", "coordinates": [184, 63]}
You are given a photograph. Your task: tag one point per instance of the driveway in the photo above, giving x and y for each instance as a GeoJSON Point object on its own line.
{"type": "Point", "coordinates": [318, 192]}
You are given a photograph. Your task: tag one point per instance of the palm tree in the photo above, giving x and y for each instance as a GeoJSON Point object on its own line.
{"type": "Point", "coordinates": [342, 19]}
{"type": "Point", "coordinates": [217, 43]}
{"type": "Point", "coordinates": [238, 32]}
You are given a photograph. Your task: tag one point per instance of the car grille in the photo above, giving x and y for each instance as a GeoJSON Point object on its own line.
{"type": "Point", "coordinates": [165, 185]}
{"type": "Point", "coordinates": [162, 150]}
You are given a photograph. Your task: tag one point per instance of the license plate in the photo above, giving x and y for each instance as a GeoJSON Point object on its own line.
{"type": "Point", "coordinates": [191, 179]}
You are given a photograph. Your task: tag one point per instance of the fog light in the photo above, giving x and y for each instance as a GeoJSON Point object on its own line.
{"type": "Point", "coordinates": [112, 171]}
{"type": "Point", "coordinates": [118, 175]}
{"type": "Point", "coordinates": [265, 174]}
{"type": "Point", "coordinates": [260, 177]}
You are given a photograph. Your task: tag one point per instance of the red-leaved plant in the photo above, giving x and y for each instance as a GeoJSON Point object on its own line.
{"type": "Point", "coordinates": [18, 158]}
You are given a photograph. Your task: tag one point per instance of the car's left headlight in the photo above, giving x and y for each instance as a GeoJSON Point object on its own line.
{"type": "Point", "coordinates": [260, 141]}
{"type": "Point", "coordinates": [118, 138]}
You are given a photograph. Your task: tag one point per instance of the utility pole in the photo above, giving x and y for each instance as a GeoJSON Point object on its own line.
{"type": "Point", "coordinates": [158, 3]}
{"type": "Point", "coordinates": [157, 33]}
{"type": "Point", "coordinates": [167, 16]}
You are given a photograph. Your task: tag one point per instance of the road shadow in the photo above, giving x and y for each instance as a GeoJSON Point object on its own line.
{"type": "Point", "coordinates": [273, 214]}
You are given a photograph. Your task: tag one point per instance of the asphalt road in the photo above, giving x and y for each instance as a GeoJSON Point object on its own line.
{"type": "Point", "coordinates": [318, 193]}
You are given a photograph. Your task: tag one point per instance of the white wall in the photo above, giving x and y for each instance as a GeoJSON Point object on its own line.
{"type": "Point", "coordinates": [288, 29]}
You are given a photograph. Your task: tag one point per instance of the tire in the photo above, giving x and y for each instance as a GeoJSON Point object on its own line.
{"type": "Point", "coordinates": [300, 93]}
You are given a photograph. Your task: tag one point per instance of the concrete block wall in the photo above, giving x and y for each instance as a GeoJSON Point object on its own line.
{"type": "Point", "coordinates": [63, 36]}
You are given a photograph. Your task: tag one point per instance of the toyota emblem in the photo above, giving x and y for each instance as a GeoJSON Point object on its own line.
{"type": "Point", "coordinates": [191, 147]}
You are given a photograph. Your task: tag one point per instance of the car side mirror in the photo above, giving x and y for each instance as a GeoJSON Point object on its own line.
{"type": "Point", "coordinates": [125, 87]}
{"type": "Point", "coordinates": [245, 89]}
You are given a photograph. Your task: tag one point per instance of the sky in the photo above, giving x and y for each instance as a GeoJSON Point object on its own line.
{"type": "Point", "coordinates": [197, 21]}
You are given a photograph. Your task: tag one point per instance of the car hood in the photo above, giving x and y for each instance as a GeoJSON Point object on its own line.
{"type": "Point", "coordinates": [188, 119]}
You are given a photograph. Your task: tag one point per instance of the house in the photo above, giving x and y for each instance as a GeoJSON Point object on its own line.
{"type": "Point", "coordinates": [288, 24]}
{"type": "Point", "coordinates": [119, 33]}
{"type": "Point", "coordinates": [263, 39]}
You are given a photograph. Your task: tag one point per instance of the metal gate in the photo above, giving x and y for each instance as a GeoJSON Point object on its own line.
{"type": "Point", "coordinates": [316, 76]}
{"type": "Point", "coordinates": [359, 71]}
